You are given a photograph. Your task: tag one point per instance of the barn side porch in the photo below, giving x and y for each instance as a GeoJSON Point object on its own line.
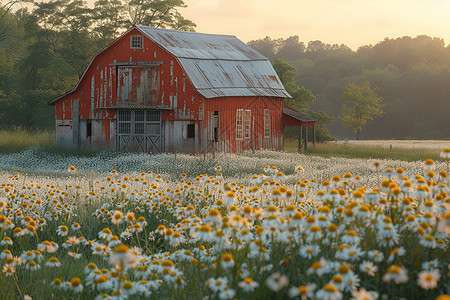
{"type": "Point", "coordinates": [292, 117]}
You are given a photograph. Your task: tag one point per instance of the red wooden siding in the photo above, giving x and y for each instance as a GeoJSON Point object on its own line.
{"type": "Point", "coordinates": [98, 89]}
{"type": "Point", "coordinates": [227, 108]}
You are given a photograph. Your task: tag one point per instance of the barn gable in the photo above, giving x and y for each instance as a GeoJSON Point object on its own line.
{"type": "Point", "coordinates": [159, 90]}
{"type": "Point", "coordinates": [219, 65]}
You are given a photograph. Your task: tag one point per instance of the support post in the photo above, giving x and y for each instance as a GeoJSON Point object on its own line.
{"type": "Point", "coordinates": [314, 135]}
{"type": "Point", "coordinates": [306, 139]}
{"type": "Point", "coordinates": [300, 139]}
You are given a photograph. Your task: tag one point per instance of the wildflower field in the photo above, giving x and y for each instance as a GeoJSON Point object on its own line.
{"type": "Point", "coordinates": [255, 226]}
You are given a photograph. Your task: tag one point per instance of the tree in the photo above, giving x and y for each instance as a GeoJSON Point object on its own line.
{"type": "Point", "coordinates": [361, 105]}
{"type": "Point", "coordinates": [158, 13]}
{"type": "Point", "coordinates": [108, 20]}
{"type": "Point", "coordinates": [301, 98]}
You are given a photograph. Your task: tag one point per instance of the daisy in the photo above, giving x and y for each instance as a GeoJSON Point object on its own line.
{"type": "Point", "coordinates": [128, 288]}
{"type": "Point", "coordinates": [248, 284]}
{"type": "Point", "coordinates": [428, 241]}
{"type": "Point", "coordinates": [350, 237]}
{"type": "Point", "coordinates": [368, 267]}
{"type": "Point", "coordinates": [74, 255]}
{"type": "Point", "coordinates": [277, 281]}
{"type": "Point", "coordinates": [308, 251]}
{"type": "Point", "coordinates": [395, 273]}
{"type": "Point", "coordinates": [330, 292]}
{"type": "Point", "coordinates": [5, 254]}
{"type": "Point", "coordinates": [376, 166]}
{"type": "Point", "coordinates": [103, 283]}
{"type": "Point", "coordinates": [62, 230]}
{"type": "Point", "coordinates": [428, 165]}
{"type": "Point", "coordinates": [76, 227]}
{"type": "Point", "coordinates": [53, 262]}
{"type": "Point", "coordinates": [227, 294]}
{"type": "Point", "coordinates": [32, 266]}
{"type": "Point", "coordinates": [302, 290]}
{"type": "Point", "coordinates": [428, 280]}
{"type": "Point", "coordinates": [217, 284]}
{"type": "Point", "coordinates": [363, 294]}
{"type": "Point", "coordinates": [227, 261]}
{"type": "Point", "coordinates": [445, 153]}
{"type": "Point", "coordinates": [9, 270]}
{"type": "Point", "coordinates": [319, 268]}
{"type": "Point", "coordinates": [75, 285]}
{"type": "Point", "coordinates": [430, 265]}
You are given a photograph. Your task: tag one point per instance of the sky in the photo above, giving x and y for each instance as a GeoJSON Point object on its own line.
{"type": "Point", "coordinates": [351, 22]}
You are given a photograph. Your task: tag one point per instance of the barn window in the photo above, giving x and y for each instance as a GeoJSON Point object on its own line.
{"type": "Point", "coordinates": [88, 128]}
{"type": "Point", "coordinates": [216, 125]}
{"type": "Point", "coordinates": [239, 124]}
{"type": "Point", "coordinates": [139, 122]}
{"type": "Point", "coordinates": [191, 131]}
{"type": "Point", "coordinates": [247, 123]}
{"type": "Point", "coordinates": [267, 123]}
{"type": "Point", "coordinates": [136, 42]}
{"type": "Point", "coordinates": [124, 122]}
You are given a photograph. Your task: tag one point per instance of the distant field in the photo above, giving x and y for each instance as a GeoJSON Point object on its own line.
{"type": "Point", "coordinates": [413, 150]}
{"type": "Point", "coordinates": [403, 144]}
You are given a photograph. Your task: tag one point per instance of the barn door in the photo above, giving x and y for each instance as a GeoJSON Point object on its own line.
{"type": "Point", "coordinates": [139, 131]}
{"type": "Point", "coordinates": [138, 86]}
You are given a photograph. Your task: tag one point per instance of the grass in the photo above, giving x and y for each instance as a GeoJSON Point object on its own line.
{"type": "Point", "coordinates": [332, 149]}
{"type": "Point", "coordinates": [19, 139]}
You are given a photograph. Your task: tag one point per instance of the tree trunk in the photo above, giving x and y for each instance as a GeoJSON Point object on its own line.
{"type": "Point", "coordinates": [357, 136]}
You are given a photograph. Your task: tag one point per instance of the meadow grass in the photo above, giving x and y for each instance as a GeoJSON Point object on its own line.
{"type": "Point", "coordinates": [332, 149]}
{"type": "Point", "coordinates": [172, 233]}
{"type": "Point", "coordinates": [19, 139]}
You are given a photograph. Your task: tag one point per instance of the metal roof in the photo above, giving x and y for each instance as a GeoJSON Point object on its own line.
{"type": "Point", "coordinates": [219, 65]}
{"type": "Point", "coordinates": [302, 117]}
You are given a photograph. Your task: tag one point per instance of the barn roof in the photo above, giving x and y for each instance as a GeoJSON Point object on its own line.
{"type": "Point", "coordinates": [302, 117]}
{"type": "Point", "coordinates": [219, 65]}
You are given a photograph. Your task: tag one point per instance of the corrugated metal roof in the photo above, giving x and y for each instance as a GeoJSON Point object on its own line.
{"type": "Point", "coordinates": [200, 45]}
{"type": "Point", "coordinates": [219, 65]}
{"type": "Point", "coordinates": [298, 115]}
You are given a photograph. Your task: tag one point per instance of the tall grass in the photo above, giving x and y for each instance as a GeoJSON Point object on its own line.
{"type": "Point", "coordinates": [18, 139]}
{"type": "Point", "coordinates": [332, 149]}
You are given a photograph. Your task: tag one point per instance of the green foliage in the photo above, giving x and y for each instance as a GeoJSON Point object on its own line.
{"type": "Point", "coordinates": [323, 120]}
{"type": "Point", "coordinates": [301, 98]}
{"type": "Point", "coordinates": [412, 75]}
{"type": "Point", "coordinates": [361, 105]}
{"type": "Point", "coordinates": [45, 49]}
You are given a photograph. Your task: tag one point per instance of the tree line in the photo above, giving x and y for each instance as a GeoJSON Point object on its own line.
{"type": "Point", "coordinates": [412, 75]}
{"type": "Point", "coordinates": [46, 46]}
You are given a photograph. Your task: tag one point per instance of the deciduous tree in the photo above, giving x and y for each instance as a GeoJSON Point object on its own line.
{"type": "Point", "coordinates": [361, 105]}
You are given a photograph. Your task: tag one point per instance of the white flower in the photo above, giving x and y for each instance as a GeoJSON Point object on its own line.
{"type": "Point", "coordinates": [248, 285]}
{"type": "Point", "coordinates": [395, 273]}
{"type": "Point", "coordinates": [277, 281]}
{"type": "Point", "coordinates": [428, 279]}
{"type": "Point", "coordinates": [227, 294]}
{"type": "Point", "coordinates": [368, 267]}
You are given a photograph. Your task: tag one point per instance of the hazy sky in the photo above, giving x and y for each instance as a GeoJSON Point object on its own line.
{"type": "Point", "coordinates": [351, 22]}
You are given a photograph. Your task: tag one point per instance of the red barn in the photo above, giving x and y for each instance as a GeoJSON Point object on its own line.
{"type": "Point", "coordinates": [158, 90]}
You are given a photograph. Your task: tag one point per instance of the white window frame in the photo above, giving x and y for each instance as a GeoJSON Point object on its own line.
{"type": "Point", "coordinates": [135, 38]}
{"type": "Point", "coordinates": [266, 123]}
{"type": "Point", "coordinates": [247, 124]}
{"type": "Point", "coordinates": [239, 124]}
